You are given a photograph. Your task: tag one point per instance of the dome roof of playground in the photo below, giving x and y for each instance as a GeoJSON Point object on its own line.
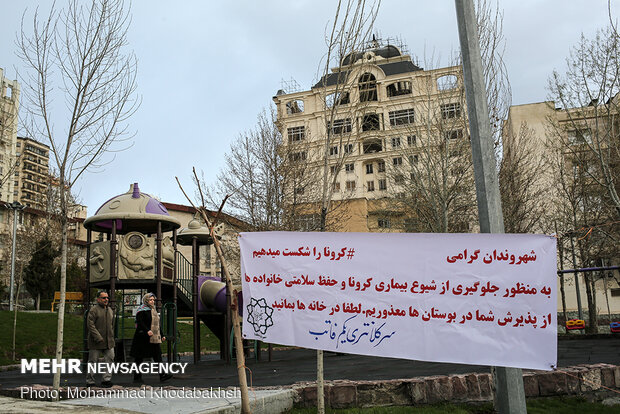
{"type": "Point", "coordinates": [195, 229]}
{"type": "Point", "coordinates": [133, 211]}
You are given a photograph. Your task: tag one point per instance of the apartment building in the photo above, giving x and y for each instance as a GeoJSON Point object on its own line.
{"type": "Point", "coordinates": [578, 151]}
{"type": "Point", "coordinates": [9, 108]}
{"type": "Point", "coordinates": [32, 173]}
{"type": "Point", "coordinates": [365, 134]}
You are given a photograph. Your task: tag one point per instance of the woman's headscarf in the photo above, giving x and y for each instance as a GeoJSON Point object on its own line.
{"type": "Point", "coordinates": [145, 303]}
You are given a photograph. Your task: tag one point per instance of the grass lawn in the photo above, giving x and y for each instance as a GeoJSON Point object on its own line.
{"type": "Point", "coordinates": [572, 405]}
{"type": "Point", "coordinates": [36, 336]}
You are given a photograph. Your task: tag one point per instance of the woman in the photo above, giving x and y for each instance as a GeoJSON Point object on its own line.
{"type": "Point", "coordinates": [147, 337]}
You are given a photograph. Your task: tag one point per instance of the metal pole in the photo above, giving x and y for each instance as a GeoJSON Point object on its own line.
{"type": "Point", "coordinates": [158, 257]}
{"type": "Point", "coordinates": [510, 394]}
{"type": "Point", "coordinates": [172, 346]}
{"type": "Point", "coordinates": [196, 322]}
{"type": "Point", "coordinates": [13, 254]}
{"type": "Point", "coordinates": [113, 266]}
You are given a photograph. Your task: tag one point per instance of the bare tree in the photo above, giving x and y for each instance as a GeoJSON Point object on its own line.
{"type": "Point", "coordinates": [431, 174]}
{"type": "Point", "coordinates": [346, 40]}
{"type": "Point", "coordinates": [432, 180]}
{"type": "Point", "coordinates": [588, 125]}
{"type": "Point", "coordinates": [585, 236]}
{"type": "Point", "coordinates": [490, 19]}
{"type": "Point", "coordinates": [348, 37]}
{"type": "Point", "coordinates": [264, 179]}
{"type": "Point", "coordinates": [525, 198]}
{"type": "Point", "coordinates": [78, 56]}
{"type": "Point", "coordinates": [584, 153]}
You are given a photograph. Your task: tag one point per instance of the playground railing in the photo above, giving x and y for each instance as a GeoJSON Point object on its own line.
{"type": "Point", "coordinates": [184, 275]}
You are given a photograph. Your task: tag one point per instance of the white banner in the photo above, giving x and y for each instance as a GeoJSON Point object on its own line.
{"type": "Point", "coordinates": [482, 299]}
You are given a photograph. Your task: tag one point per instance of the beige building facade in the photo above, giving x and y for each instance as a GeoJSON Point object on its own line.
{"type": "Point", "coordinates": [359, 132]}
{"type": "Point", "coordinates": [561, 138]}
{"type": "Point", "coordinates": [9, 108]}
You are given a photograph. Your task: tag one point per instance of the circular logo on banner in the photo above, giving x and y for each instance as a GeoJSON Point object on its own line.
{"type": "Point", "coordinates": [259, 315]}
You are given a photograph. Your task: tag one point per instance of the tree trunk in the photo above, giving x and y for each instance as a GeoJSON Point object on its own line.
{"type": "Point", "coordinates": [39, 301]}
{"type": "Point", "coordinates": [561, 275]}
{"type": "Point", "coordinates": [606, 287]}
{"type": "Point", "coordinates": [592, 316]}
{"type": "Point", "coordinates": [63, 290]}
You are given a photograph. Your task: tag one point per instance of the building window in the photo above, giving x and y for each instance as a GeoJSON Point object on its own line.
{"type": "Point", "coordinates": [295, 107]}
{"type": "Point", "coordinates": [296, 133]}
{"type": "Point", "coordinates": [399, 179]}
{"type": "Point", "coordinates": [349, 185]}
{"type": "Point", "coordinates": [447, 82]}
{"type": "Point", "coordinates": [370, 185]}
{"type": "Point", "coordinates": [341, 98]}
{"type": "Point", "coordinates": [399, 88]}
{"type": "Point", "coordinates": [349, 167]}
{"type": "Point", "coordinates": [308, 222]}
{"type": "Point", "coordinates": [369, 169]}
{"type": "Point", "coordinates": [381, 166]}
{"type": "Point", "coordinates": [368, 87]}
{"type": "Point", "coordinates": [336, 187]}
{"type": "Point", "coordinates": [397, 161]}
{"type": "Point", "coordinates": [299, 190]}
{"type": "Point", "coordinates": [411, 140]}
{"type": "Point", "coordinates": [413, 159]}
{"type": "Point", "coordinates": [579, 137]}
{"type": "Point", "coordinates": [383, 184]}
{"type": "Point", "coordinates": [395, 142]}
{"type": "Point", "coordinates": [451, 110]}
{"type": "Point", "coordinates": [384, 223]}
{"type": "Point", "coordinates": [370, 122]}
{"type": "Point", "coordinates": [333, 169]}
{"type": "Point", "coordinates": [348, 148]}
{"type": "Point", "coordinates": [372, 145]}
{"type": "Point", "coordinates": [402, 117]}
{"type": "Point", "coordinates": [340, 126]}
{"type": "Point", "coordinates": [453, 134]}
{"type": "Point", "coordinates": [333, 150]}
{"type": "Point", "coordinates": [297, 156]}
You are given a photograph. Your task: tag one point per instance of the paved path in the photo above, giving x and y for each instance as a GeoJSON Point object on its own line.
{"type": "Point", "coordinates": [295, 365]}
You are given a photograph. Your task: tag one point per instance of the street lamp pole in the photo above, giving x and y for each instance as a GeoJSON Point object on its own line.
{"type": "Point", "coordinates": [15, 206]}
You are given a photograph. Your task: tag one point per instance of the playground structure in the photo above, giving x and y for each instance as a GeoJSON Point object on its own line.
{"type": "Point", "coordinates": [137, 250]}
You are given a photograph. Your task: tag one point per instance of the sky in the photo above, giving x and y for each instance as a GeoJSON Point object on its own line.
{"type": "Point", "coordinates": [207, 69]}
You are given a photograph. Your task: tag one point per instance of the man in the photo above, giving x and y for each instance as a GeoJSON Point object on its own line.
{"type": "Point", "coordinates": [100, 324]}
